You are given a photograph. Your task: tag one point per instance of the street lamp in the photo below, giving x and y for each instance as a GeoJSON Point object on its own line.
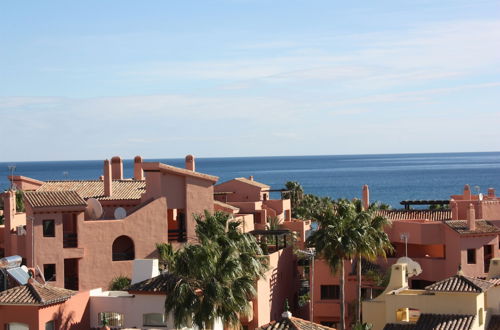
{"type": "Point", "coordinates": [310, 253]}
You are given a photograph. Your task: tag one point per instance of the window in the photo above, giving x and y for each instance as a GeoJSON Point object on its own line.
{"type": "Point", "coordinates": [49, 229]}
{"type": "Point", "coordinates": [16, 326]}
{"type": "Point", "coordinates": [50, 325]}
{"type": "Point", "coordinates": [154, 319]}
{"type": "Point", "coordinates": [49, 272]}
{"type": "Point", "coordinates": [110, 318]}
{"type": "Point", "coordinates": [123, 249]}
{"type": "Point", "coordinates": [407, 314]}
{"type": "Point", "coordinates": [471, 256]}
{"type": "Point", "coordinates": [330, 292]}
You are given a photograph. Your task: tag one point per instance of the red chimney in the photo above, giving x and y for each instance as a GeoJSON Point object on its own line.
{"type": "Point", "coordinates": [108, 182]}
{"type": "Point", "coordinates": [138, 172]}
{"type": "Point", "coordinates": [116, 168]}
{"type": "Point", "coordinates": [190, 164]}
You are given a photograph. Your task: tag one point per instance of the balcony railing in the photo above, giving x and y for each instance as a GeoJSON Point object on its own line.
{"type": "Point", "coordinates": [178, 235]}
{"type": "Point", "coordinates": [70, 240]}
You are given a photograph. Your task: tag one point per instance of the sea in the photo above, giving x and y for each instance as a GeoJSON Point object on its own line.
{"type": "Point", "coordinates": [391, 177]}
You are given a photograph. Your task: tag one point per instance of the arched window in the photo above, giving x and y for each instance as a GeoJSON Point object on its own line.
{"type": "Point", "coordinates": [123, 249]}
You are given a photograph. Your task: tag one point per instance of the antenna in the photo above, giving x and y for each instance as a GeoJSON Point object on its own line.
{"type": "Point", "coordinates": [94, 208]}
{"type": "Point", "coordinates": [120, 213]}
{"type": "Point", "coordinates": [12, 168]}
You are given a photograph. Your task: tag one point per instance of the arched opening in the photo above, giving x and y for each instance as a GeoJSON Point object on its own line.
{"type": "Point", "coordinates": [123, 249]}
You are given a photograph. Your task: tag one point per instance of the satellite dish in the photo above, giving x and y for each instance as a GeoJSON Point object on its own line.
{"type": "Point", "coordinates": [413, 267]}
{"type": "Point", "coordinates": [120, 213]}
{"type": "Point", "coordinates": [94, 208]}
{"type": "Point", "coordinates": [480, 196]}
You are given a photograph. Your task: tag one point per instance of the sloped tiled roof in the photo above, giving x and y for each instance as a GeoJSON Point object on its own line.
{"type": "Point", "coordinates": [157, 284]}
{"type": "Point", "coordinates": [294, 323]}
{"type": "Point", "coordinates": [444, 321]}
{"type": "Point", "coordinates": [253, 183]}
{"type": "Point", "coordinates": [494, 323]}
{"type": "Point", "coordinates": [122, 189]}
{"type": "Point", "coordinates": [156, 166]}
{"type": "Point", "coordinates": [226, 206]}
{"type": "Point", "coordinates": [39, 199]}
{"type": "Point", "coordinates": [460, 283]}
{"type": "Point", "coordinates": [482, 227]}
{"type": "Point", "coordinates": [436, 322]}
{"type": "Point", "coordinates": [431, 215]}
{"type": "Point", "coordinates": [35, 294]}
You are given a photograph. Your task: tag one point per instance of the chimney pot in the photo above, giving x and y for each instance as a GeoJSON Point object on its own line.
{"type": "Point", "coordinates": [366, 197]}
{"type": "Point", "coordinates": [190, 163]}
{"type": "Point", "coordinates": [250, 178]}
{"type": "Point", "coordinates": [467, 193]}
{"type": "Point", "coordinates": [491, 192]}
{"type": "Point", "coordinates": [471, 217]}
{"type": "Point", "coordinates": [108, 181]}
{"type": "Point", "coordinates": [138, 172]}
{"type": "Point", "coordinates": [117, 168]}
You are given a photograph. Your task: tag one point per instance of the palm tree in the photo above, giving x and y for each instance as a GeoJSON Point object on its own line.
{"type": "Point", "coordinates": [295, 193]}
{"type": "Point", "coordinates": [338, 239]}
{"type": "Point", "coordinates": [374, 244]}
{"type": "Point", "coordinates": [216, 278]}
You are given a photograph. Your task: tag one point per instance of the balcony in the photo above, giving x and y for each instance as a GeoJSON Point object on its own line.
{"type": "Point", "coordinates": [70, 240]}
{"type": "Point", "coordinates": [177, 235]}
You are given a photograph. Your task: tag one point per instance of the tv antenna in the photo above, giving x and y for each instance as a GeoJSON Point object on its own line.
{"type": "Point", "coordinates": [12, 168]}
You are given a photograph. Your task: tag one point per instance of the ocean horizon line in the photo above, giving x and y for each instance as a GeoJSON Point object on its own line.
{"type": "Point", "coordinates": [253, 157]}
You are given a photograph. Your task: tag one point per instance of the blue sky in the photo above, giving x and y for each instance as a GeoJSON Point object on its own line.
{"type": "Point", "coordinates": [91, 79]}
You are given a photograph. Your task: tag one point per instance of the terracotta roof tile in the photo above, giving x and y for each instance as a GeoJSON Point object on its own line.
{"type": "Point", "coordinates": [38, 199]}
{"type": "Point", "coordinates": [34, 294]}
{"type": "Point", "coordinates": [122, 189]}
{"type": "Point", "coordinates": [460, 283]}
{"type": "Point", "coordinates": [431, 215]}
{"type": "Point", "coordinates": [294, 323]}
{"type": "Point", "coordinates": [482, 227]}
{"type": "Point", "coordinates": [156, 166]}
{"type": "Point", "coordinates": [444, 321]}
{"type": "Point", "coordinates": [253, 183]}
{"type": "Point", "coordinates": [157, 284]}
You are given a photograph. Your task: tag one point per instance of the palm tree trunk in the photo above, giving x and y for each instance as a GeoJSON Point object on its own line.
{"type": "Point", "coordinates": [342, 297]}
{"type": "Point", "coordinates": [358, 282]}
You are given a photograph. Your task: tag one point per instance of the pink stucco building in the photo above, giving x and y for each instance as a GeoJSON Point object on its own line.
{"type": "Point", "coordinates": [465, 235]}
{"type": "Point", "coordinates": [82, 234]}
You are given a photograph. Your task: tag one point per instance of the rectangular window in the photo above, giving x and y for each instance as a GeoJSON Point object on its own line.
{"type": "Point", "coordinates": [50, 325]}
{"type": "Point", "coordinates": [154, 319]}
{"type": "Point", "coordinates": [49, 272]}
{"type": "Point", "coordinates": [111, 319]}
{"type": "Point", "coordinates": [471, 256]}
{"type": "Point", "coordinates": [49, 229]}
{"type": "Point", "coordinates": [330, 292]}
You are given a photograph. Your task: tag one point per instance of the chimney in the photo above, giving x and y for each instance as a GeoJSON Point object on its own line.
{"type": "Point", "coordinates": [454, 209]}
{"type": "Point", "coordinates": [491, 192]}
{"type": "Point", "coordinates": [108, 182]}
{"type": "Point", "coordinates": [366, 197]}
{"type": "Point", "coordinates": [138, 172]}
{"type": "Point", "coordinates": [116, 168]}
{"type": "Point", "coordinates": [494, 269]}
{"type": "Point", "coordinates": [190, 163]}
{"type": "Point", "coordinates": [144, 269]}
{"type": "Point", "coordinates": [467, 193]}
{"type": "Point", "coordinates": [250, 178]}
{"type": "Point", "coordinates": [471, 217]}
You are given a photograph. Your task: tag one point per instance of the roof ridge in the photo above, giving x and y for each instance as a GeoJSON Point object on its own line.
{"type": "Point", "coordinates": [35, 292]}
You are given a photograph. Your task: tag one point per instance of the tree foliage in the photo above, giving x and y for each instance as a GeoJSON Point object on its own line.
{"type": "Point", "coordinates": [213, 279]}
{"type": "Point", "coordinates": [119, 283]}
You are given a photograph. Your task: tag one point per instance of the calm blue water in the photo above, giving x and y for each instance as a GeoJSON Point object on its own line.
{"type": "Point", "coordinates": [392, 178]}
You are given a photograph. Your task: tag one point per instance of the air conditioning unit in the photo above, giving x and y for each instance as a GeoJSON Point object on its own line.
{"type": "Point", "coordinates": [20, 231]}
